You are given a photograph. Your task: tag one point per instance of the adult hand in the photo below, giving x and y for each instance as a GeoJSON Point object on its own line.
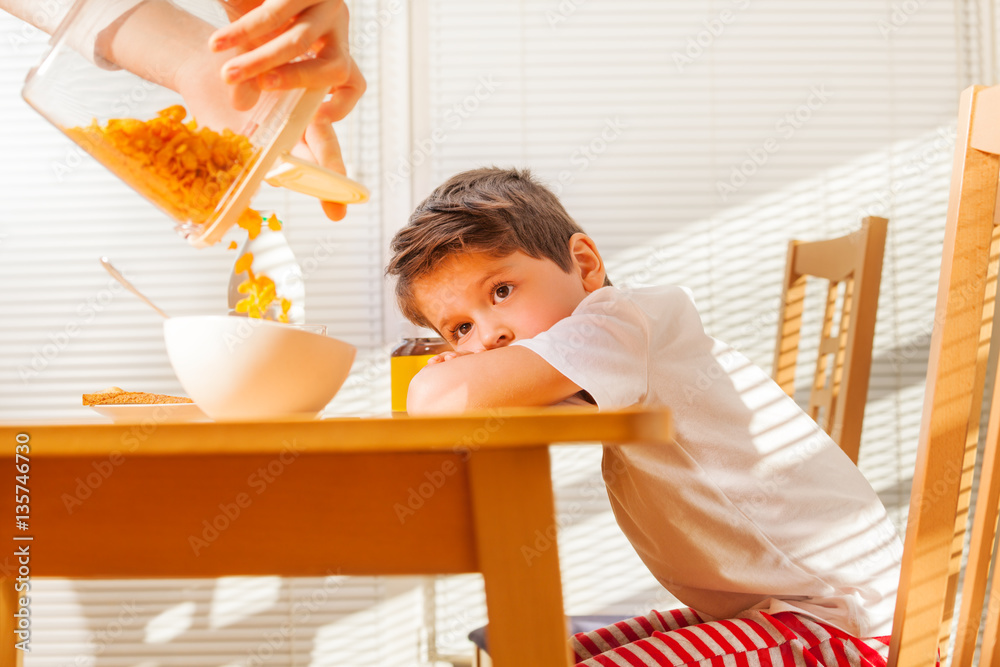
{"type": "Point", "coordinates": [197, 81]}
{"type": "Point", "coordinates": [284, 44]}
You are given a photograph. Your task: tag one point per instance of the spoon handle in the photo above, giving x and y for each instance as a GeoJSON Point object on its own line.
{"type": "Point", "coordinates": [116, 274]}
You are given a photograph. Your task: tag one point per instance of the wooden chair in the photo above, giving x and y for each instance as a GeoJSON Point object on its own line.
{"type": "Point", "coordinates": [956, 375]}
{"type": "Point", "coordinates": [852, 267]}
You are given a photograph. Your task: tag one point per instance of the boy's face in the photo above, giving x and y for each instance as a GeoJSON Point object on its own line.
{"type": "Point", "coordinates": [478, 302]}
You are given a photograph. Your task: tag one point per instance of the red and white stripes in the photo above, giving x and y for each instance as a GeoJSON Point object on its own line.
{"type": "Point", "coordinates": [682, 637]}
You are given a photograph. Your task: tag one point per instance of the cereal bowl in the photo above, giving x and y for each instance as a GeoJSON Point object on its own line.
{"type": "Point", "coordinates": [238, 368]}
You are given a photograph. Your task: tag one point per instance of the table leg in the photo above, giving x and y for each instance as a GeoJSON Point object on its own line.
{"type": "Point", "coordinates": [515, 526]}
{"type": "Point", "coordinates": [9, 655]}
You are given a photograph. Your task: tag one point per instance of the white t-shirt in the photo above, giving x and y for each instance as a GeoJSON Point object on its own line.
{"type": "Point", "coordinates": [752, 506]}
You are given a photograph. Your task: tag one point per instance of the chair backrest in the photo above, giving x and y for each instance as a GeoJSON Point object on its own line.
{"type": "Point", "coordinates": [949, 431]}
{"type": "Point", "coordinates": [852, 267]}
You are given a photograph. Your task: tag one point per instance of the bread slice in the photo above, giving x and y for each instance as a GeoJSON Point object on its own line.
{"type": "Point", "coordinates": [118, 396]}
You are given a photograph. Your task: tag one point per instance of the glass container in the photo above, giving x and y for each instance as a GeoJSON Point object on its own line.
{"type": "Point", "coordinates": [406, 360]}
{"type": "Point", "coordinates": [202, 176]}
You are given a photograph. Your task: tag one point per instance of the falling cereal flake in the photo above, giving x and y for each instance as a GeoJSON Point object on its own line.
{"type": "Point", "coordinates": [260, 292]}
{"type": "Point", "coordinates": [251, 221]}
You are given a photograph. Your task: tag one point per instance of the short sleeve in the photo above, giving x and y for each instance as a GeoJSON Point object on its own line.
{"type": "Point", "coordinates": [602, 347]}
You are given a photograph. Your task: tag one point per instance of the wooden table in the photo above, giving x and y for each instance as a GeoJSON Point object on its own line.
{"type": "Point", "coordinates": [371, 496]}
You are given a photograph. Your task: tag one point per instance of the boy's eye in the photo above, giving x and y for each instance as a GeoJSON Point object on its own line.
{"type": "Point", "coordinates": [459, 332]}
{"type": "Point", "coordinates": [501, 292]}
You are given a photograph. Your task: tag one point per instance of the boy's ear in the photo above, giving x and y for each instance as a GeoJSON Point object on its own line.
{"type": "Point", "coordinates": [587, 261]}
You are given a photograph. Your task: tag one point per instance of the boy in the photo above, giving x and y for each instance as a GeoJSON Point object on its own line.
{"type": "Point", "coordinates": [754, 516]}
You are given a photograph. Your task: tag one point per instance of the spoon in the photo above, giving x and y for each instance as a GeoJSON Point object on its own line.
{"type": "Point", "coordinates": [117, 275]}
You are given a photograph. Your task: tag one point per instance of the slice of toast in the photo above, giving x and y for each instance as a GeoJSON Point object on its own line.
{"type": "Point", "coordinates": [118, 396]}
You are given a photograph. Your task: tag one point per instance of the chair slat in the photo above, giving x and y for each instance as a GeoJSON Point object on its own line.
{"type": "Point", "coordinates": [987, 299]}
{"type": "Point", "coordinates": [830, 259]}
{"type": "Point", "coordinates": [985, 519]}
{"type": "Point", "coordinates": [789, 324]}
{"type": "Point", "coordinates": [971, 446]}
{"type": "Point", "coordinates": [953, 368]}
{"type": "Point", "coordinates": [985, 136]}
{"type": "Point", "coordinates": [989, 655]}
{"type": "Point", "coordinates": [830, 345]}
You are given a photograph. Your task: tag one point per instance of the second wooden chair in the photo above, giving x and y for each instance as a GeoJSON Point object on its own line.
{"type": "Point", "coordinates": [852, 267]}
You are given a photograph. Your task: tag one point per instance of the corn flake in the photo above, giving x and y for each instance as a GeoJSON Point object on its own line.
{"type": "Point", "coordinates": [251, 221]}
{"type": "Point", "coordinates": [260, 293]}
{"type": "Point", "coordinates": [183, 168]}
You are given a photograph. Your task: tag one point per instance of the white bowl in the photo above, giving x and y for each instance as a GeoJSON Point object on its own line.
{"type": "Point", "coordinates": [238, 368]}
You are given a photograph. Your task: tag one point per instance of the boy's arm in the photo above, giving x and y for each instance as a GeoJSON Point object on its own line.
{"type": "Point", "coordinates": [511, 376]}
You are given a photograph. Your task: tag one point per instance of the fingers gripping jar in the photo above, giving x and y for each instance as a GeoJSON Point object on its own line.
{"type": "Point", "coordinates": [406, 360]}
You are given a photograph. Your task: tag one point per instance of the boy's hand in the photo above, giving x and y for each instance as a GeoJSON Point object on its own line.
{"type": "Point", "coordinates": [447, 356]}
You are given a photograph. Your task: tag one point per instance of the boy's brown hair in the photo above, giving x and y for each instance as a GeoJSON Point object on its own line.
{"type": "Point", "coordinates": [491, 210]}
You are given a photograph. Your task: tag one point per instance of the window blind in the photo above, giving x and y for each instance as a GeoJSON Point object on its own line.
{"type": "Point", "coordinates": [692, 140]}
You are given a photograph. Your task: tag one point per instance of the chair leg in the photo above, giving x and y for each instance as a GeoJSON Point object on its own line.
{"type": "Point", "coordinates": [481, 659]}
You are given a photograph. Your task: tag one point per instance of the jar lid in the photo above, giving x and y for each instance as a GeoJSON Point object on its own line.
{"type": "Point", "coordinates": [294, 173]}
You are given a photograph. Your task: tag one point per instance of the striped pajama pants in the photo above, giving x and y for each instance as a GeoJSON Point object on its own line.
{"type": "Point", "coordinates": [682, 637]}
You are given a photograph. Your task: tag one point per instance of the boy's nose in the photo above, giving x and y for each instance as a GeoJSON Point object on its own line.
{"type": "Point", "coordinates": [496, 336]}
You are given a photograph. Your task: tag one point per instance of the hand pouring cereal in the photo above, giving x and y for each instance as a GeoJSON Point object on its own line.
{"type": "Point", "coordinates": [203, 177]}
